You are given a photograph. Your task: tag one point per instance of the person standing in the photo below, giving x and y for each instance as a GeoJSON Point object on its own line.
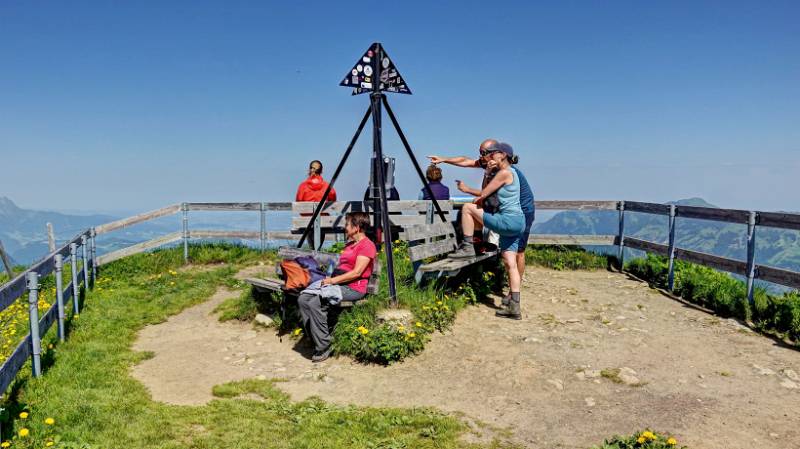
{"type": "Point", "coordinates": [508, 222]}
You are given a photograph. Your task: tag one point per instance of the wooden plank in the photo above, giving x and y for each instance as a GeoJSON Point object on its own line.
{"type": "Point", "coordinates": [274, 285]}
{"type": "Point", "coordinates": [125, 222]}
{"type": "Point", "coordinates": [644, 245]}
{"type": "Point", "coordinates": [341, 207]}
{"type": "Point", "coordinates": [337, 207]}
{"type": "Point", "coordinates": [437, 248]}
{"type": "Point", "coordinates": [577, 240]}
{"type": "Point", "coordinates": [208, 234]}
{"type": "Point", "coordinates": [648, 208]}
{"type": "Point", "coordinates": [138, 248]}
{"type": "Point", "coordinates": [12, 365]}
{"type": "Point", "coordinates": [337, 221]}
{"type": "Point", "coordinates": [282, 206]}
{"type": "Point", "coordinates": [451, 266]}
{"type": "Point", "coordinates": [576, 205]}
{"type": "Point", "coordinates": [223, 206]}
{"type": "Point", "coordinates": [779, 220]}
{"type": "Point", "coordinates": [424, 231]}
{"type": "Point", "coordinates": [710, 213]}
{"type": "Point", "coordinates": [12, 290]}
{"type": "Point", "coordinates": [708, 260]}
{"type": "Point", "coordinates": [778, 276]}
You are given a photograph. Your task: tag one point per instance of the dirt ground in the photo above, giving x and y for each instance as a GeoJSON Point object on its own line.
{"type": "Point", "coordinates": [667, 366]}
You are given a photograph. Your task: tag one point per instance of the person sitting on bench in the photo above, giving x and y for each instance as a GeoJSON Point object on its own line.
{"type": "Point", "coordinates": [351, 276]}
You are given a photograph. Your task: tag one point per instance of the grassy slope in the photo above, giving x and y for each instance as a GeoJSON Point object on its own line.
{"type": "Point", "coordinates": [89, 393]}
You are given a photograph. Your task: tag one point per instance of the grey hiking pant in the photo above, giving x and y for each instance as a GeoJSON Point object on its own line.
{"type": "Point", "coordinates": [314, 315]}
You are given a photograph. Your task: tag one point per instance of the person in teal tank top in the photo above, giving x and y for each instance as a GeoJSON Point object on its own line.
{"type": "Point", "coordinates": [508, 222]}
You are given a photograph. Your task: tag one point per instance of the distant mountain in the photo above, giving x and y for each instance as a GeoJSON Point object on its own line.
{"type": "Point", "coordinates": [774, 247]}
{"type": "Point", "coordinates": [24, 232]}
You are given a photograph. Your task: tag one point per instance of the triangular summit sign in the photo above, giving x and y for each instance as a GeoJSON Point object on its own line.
{"type": "Point", "coordinates": [375, 66]}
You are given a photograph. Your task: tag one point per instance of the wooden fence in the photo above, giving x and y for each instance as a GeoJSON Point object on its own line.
{"type": "Point", "coordinates": [402, 213]}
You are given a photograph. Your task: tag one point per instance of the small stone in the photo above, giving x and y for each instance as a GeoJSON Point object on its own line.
{"type": "Point", "coordinates": [556, 383]}
{"type": "Point", "coordinates": [264, 320]}
{"type": "Point", "coordinates": [763, 371]}
{"type": "Point", "coordinates": [620, 317]}
{"type": "Point", "coordinates": [400, 316]}
{"type": "Point", "coordinates": [531, 340]}
{"type": "Point", "coordinates": [574, 320]}
{"type": "Point", "coordinates": [580, 375]}
{"type": "Point", "coordinates": [774, 435]}
{"type": "Point", "coordinates": [789, 384]}
{"type": "Point", "coordinates": [589, 402]}
{"type": "Point", "coordinates": [791, 374]}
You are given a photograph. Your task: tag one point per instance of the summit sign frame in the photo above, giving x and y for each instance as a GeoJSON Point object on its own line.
{"type": "Point", "coordinates": [376, 73]}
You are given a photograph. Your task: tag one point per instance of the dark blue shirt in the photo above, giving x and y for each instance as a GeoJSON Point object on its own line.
{"type": "Point", "coordinates": [525, 194]}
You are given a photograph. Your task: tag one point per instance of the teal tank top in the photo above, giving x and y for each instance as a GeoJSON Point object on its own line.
{"type": "Point", "coordinates": [508, 195]}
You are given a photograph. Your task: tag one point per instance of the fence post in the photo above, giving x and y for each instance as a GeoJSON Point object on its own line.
{"type": "Point", "coordinates": [263, 227]}
{"type": "Point", "coordinates": [751, 256]}
{"type": "Point", "coordinates": [93, 247]}
{"type": "Point", "coordinates": [671, 276]}
{"type": "Point", "coordinates": [185, 209]}
{"type": "Point", "coordinates": [51, 238]}
{"type": "Point", "coordinates": [621, 235]}
{"type": "Point", "coordinates": [60, 295]}
{"type": "Point", "coordinates": [73, 260]}
{"type": "Point", "coordinates": [85, 261]}
{"type": "Point", "coordinates": [33, 314]}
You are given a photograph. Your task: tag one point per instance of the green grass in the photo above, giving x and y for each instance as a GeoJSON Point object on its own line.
{"type": "Point", "coordinates": [724, 294]}
{"type": "Point", "coordinates": [87, 388]}
{"type": "Point", "coordinates": [560, 257]}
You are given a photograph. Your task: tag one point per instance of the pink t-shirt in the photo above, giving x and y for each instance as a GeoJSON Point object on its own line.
{"type": "Point", "coordinates": [347, 261]}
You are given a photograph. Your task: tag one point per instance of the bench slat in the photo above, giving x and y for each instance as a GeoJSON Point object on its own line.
{"type": "Point", "coordinates": [337, 221]}
{"type": "Point", "coordinates": [432, 249]}
{"type": "Point", "coordinates": [343, 207]}
{"type": "Point", "coordinates": [450, 265]}
{"type": "Point", "coordinates": [425, 231]}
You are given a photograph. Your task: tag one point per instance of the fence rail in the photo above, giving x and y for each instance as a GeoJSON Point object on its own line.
{"type": "Point", "coordinates": [407, 211]}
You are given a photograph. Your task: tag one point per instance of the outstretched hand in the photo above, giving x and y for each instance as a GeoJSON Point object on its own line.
{"type": "Point", "coordinates": [435, 159]}
{"type": "Point", "coordinates": [462, 187]}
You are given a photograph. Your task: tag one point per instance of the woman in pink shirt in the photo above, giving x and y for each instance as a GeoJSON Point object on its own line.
{"type": "Point", "coordinates": [351, 275]}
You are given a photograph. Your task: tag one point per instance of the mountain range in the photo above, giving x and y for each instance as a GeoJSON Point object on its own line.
{"type": "Point", "coordinates": [24, 236]}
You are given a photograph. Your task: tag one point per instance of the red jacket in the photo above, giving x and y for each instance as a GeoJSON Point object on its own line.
{"type": "Point", "coordinates": [312, 189]}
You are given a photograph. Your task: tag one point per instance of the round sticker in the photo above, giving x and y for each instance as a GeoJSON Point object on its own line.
{"type": "Point", "coordinates": [354, 72]}
{"type": "Point", "coordinates": [365, 59]}
{"type": "Point", "coordinates": [385, 62]}
{"type": "Point", "coordinates": [369, 53]}
{"type": "Point", "coordinates": [368, 70]}
{"type": "Point", "coordinates": [359, 68]}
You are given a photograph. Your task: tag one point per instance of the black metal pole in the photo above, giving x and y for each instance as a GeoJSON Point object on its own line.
{"type": "Point", "coordinates": [375, 98]}
{"type": "Point", "coordinates": [318, 209]}
{"type": "Point", "coordinates": [413, 159]}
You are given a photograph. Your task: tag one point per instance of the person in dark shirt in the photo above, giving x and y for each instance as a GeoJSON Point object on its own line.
{"type": "Point", "coordinates": [440, 191]}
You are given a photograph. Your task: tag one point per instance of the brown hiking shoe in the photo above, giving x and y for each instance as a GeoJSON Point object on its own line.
{"type": "Point", "coordinates": [465, 251]}
{"type": "Point", "coordinates": [511, 311]}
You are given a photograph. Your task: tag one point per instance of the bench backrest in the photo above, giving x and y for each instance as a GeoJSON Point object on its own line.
{"type": "Point", "coordinates": [288, 252]}
{"type": "Point", "coordinates": [401, 213]}
{"type": "Point", "coordinates": [430, 240]}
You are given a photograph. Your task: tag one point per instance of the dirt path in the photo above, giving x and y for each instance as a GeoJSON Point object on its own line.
{"type": "Point", "coordinates": [712, 382]}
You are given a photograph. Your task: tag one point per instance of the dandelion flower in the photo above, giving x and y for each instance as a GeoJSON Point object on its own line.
{"type": "Point", "coordinates": [640, 440]}
{"type": "Point", "coordinates": [49, 421]}
{"type": "Point", "coordinates": [297, 331]}
{"type": "Point", "coordinates": [5, 444]}
{"type": "Point", "coordinates": [50, 346]}
{"type": "Point", "coordinates": [411, 335]}
{"type": "Point", "coordinates": [23, 432]}
{"type": "Point", "coordinates": [49, 444]}
{"type": "Point", "coordinates": [672, 441]}
{"type": "Point", "coordinates": [363, 330]}
{"type": "Point", "coordinates": [23, 415]}
{"type": "Point", "coordinates": [419, 324]}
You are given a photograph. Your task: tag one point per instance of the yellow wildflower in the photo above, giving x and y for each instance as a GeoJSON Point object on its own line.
{"type": "Point", "coordinates": [425, 308]}
{"type": "Point", "coordinates": [5, 444]}
{"type": "Point", "coordinates": [23, 415]}
{"type": "Point", "coordinates": [50, 346]}
{"type": "Point", "coordinates": [649, 435]}
{"type": "Point", "coordinates": [49, 421]}
{"type": "Point", "coordinates": [438, 303]}
{"type": "Point", "coordinates": [411, 335]}
{"type": "Point", "coordinates": [363, 330]}
{"type": "Point", "coordinates": [49, 444]}
{"type": "Point", "coordinates": [401, 328]}
{"type": "Point", "coordinates": [297, 331]}
{"type": "Point", "coordinates": [640, 440]}
{"type": "Point", "coordinates": [419, 324]}
{"type": "Point", "coordinates": [172, 283]}
{"type": "Point", "coordinates": [23, 432]}
{"type": "Point", "coordinates": [672, 441]}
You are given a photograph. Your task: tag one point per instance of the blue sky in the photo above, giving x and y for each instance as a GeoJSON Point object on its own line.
{"type": "Point", "coordinates": [134, 105]}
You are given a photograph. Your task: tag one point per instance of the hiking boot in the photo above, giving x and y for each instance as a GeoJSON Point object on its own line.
{"type": "Point", "coordinates": [465, 251]}
{"type": "Point", "coordinates": [506, 299]}
{"type": "Point", "coordinates": [511, 311]}
{"type": "Point", "coordinates": [322, 356]}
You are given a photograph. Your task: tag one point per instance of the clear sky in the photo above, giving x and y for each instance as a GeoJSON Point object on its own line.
{"type": "Point", "coordinates": [111, 105]}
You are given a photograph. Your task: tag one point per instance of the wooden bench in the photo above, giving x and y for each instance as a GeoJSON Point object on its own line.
{"type": "Point", "coordinates": [323, 258]}
{"type": "Point", "coordinates": [434, 240]}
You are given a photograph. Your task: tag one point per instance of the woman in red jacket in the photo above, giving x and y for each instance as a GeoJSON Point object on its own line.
{"type": "Point", "coordinates": [314, 187]}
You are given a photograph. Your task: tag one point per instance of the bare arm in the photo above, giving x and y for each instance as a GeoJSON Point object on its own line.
{"type": "Point", "coordinates": [459, 161]}
{"type": "Point", "coordinates": [502, 178]}
{"type": "Point", "coordinates": [352, 275]}
{"type": "Point", "coordinates": [467, 189]}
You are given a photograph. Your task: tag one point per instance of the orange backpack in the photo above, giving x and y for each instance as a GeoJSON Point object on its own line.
{"type": "Point", "coordinates": [295, 277]}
